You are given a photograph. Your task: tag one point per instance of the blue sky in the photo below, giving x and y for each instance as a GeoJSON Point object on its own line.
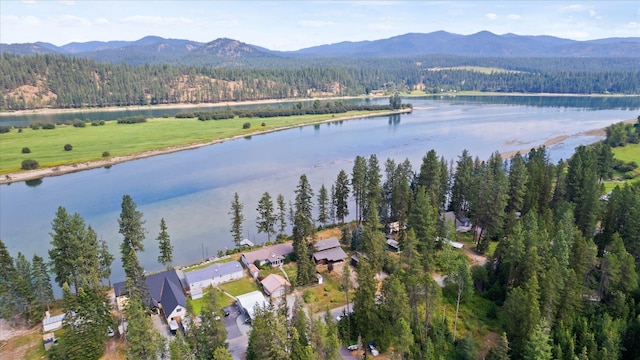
{"type": "Point", "coordinates": [292, 25]}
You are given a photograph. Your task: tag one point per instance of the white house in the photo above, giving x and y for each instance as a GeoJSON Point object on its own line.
{"type": "Point", "coordinates": [172, 301]}
{"type": "Point", "coordinates": [215, 274]}
{"type": "Point", "coordinates": [275, 285]}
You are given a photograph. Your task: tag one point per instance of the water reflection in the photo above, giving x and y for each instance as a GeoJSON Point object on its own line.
{"type": "Point", "coordinates": [33, 183]}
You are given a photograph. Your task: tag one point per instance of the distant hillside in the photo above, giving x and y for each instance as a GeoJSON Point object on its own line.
{"type": "Point", "coordinates": [230, 52]}
{"type": "Point", "coordinates": [483, 43]}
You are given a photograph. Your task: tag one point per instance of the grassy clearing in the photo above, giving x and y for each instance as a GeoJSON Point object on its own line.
{"type": "Point", "coordinates": [206, 264]}
{"type": "Point", "coordinates": [26, 346]}
{"type": "Point", "coordinates": [89, 143]}
{"type": "Point", "coordinates": [240, 286]}
{"type": "Point", "coordinates": [326, 295]}
{"type": "Point", "coordinates": [627, 153]}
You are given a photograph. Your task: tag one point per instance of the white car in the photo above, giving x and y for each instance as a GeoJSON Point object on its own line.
{"type": "Point", "coordinates": [352, 347]}
{"type": "Point", "coordinates": [374, 351]}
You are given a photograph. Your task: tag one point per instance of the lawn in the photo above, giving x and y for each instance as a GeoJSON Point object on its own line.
{"type": "Point", "coordinates": [627, 153]}
{"type": "Point", "coordinates": [241, 286]}
{"type": "Point", "coordinates": [89, 143]}
{"type": "Point", "coordinates": [206, 264]}
{"type": "Point", "coordinates": [326, 295]}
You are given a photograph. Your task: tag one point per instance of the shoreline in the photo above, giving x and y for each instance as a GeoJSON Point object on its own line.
{"type": "Point", "coordinates": [36, 174]}
{"type": "Point", "coordinates": [51, 111]}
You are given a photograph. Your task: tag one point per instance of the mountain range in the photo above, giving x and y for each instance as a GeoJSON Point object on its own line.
{"type": "Point", "coordinates": [481, 44]}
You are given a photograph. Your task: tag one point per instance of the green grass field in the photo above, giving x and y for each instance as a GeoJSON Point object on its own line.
{"type": "Point", "coordinates": [89, 143]}
{"type": "Point", "coordinates": [627, 153]}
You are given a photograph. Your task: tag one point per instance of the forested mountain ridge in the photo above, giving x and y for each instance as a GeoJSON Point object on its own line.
{"type": "Point", "coordinates": [483, 43]}
{"type": "Point", "coordinates": [61, 81]}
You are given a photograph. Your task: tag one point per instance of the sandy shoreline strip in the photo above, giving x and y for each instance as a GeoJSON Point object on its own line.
{"type": "Point", "coordinates": [67, 169]}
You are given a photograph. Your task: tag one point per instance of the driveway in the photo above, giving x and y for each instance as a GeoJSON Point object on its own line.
{"type": "Point", "coordinates": [237, 332]}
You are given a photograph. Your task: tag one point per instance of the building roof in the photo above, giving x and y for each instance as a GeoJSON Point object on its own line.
{"type": "Point", "coordinates": [270, 253]}
{"type": "Point", "coordinates": [212, 271]}
{"type": "Point", "coordinates": [272, 282]}
{"type": "Point", "coordinates": [155, 283]}
{"type": "Point", "coordinates": [326, 244]}
{"type": "Point", "coordinates": [393, 243]}
{"type": "Point", "coordinates": [331, 255]}
{"type": "Point", "coordinates": [53, 319]}
{"type": "Point", "coordinates": [246, 242]}
{"type": "Point", "coordinates": [249, 301]}
{"type": "Point", "coordinates": [171, 297]}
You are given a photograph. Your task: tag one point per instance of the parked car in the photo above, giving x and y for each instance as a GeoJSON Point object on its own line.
{"type": "Point", "coordinates": [353, 347]}
{"type": "Point", "coordinates": [374, 351]}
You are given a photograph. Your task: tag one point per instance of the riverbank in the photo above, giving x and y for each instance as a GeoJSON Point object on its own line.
{"type": "Point", "coordinates": [88, 165]}
{"type": "Point", "coordinates": [47, 111]}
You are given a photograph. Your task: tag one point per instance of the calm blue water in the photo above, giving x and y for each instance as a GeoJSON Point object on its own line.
{"type": "Point", "coordinates": [193, 189]}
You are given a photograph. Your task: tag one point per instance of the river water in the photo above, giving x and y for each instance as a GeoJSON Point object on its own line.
{"type": "Point", "coordinates": [193, 189]}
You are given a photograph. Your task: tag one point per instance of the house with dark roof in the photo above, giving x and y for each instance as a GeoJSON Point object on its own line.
{"type": "Point", "coordinates": [328, 251]}
{"type": "Point", "coordinates": [461, 223]}
{"type": "Point", "coordinates": [163, 286]}
{"type": "Point", "coordinates": [172, 301]}
{"type": "Point", "coordinates": [212, 275]}
{"type": "Point", "coordinates": [273, 255]}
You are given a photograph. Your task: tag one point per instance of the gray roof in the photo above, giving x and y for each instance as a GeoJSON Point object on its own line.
{"type": "Point", "coordinates": [212, 271]}
{"type": "Point", "coordinates": [171, 297]}
{"type": "Point", "coordinates": [326, 244]}
{"type": "Point", "coordinates": [269, 253]}
{"type": "Point", "coordinates": [53, 319]}
{"type": "Point", "coordinates": [331, 255]}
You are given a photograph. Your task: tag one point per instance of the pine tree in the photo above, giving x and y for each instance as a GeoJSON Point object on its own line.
{"type": "Point", "coordinates": [164, 244]}
{"type": "Point", "coordinates": [29, 308]}
{"type": "Point", "coordinates": [358, 185]}
{"type": "Point", "coordinates": [282, 210]}
{"type": "Point", "coordinates": [106, 259]}
{"type": "Point", "coordinates": [143, 342]}
{"type": "Point", "coordinates": [8, 296]}
{"type": "Point", "coordinates": [266, 219]}
{"type": "Point", "coordinates": [422, 220]}
{"type": "Point", "coordinates": [303, 231]}
{"type": "Point", "coordinates": [68, 233]}
{"type": "Point", "coordinates": [41, 281]}
{"type": "Point", "coordinates": [237, 218]}
{"type": "Point", "coordinates": [131, 228]}
{"type": "Point", "coordinates": [342, 196]}
{"type": "Point", "coordinates": [323, 206]}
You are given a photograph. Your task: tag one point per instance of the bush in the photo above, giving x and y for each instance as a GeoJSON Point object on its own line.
{"type": "Point", "coordinates": [49, 126]}
{"type": "Point", "coordinates": [35, 126]}
{"type": "Point", "coordinates": [101, 122]}
{"type": "Point", "coordinates": [26, 150]}
{"type": "Point", "coordinates": [246, 125]}
{"type": "Point", "coordinates": [79, 123]}
{"type": "Point", "coordinates": [307, 296]}
{"type": "Point", "coordinates": [4, 129]}
{"type": "Point", "coordinates": [95, 123]}
{"type": "Point", "coordinates": [29, 164]}
{"type": "Point", "coordinates": [105, 154]}
{"type": "Point", "coordinates": [68, 122]}
{"type": "Point", "coordinates": [68, 147]}
{"type": "Point", "coordinates": [264, 124]}
{"type": "Point", "coordinates": [165, 115]}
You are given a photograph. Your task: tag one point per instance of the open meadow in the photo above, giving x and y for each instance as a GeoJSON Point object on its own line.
{"type": "Point", "coordinates": [90, 143]}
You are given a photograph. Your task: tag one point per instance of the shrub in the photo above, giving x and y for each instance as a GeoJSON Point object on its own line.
{"type": "Point", "coordinates": [629, 175]}
{"type": "Point", "coordinates": [35, 126]}
{"type": "Point", "coordinates": [29, 164]}
{"type": "Point", "coordinates": [26, 150]}
{"type": "Point", "coordinates": [105, 154]}
{"type": "Point", "coordinates": [307, 296]}
{"type": "Point", "coordinates": [68, 122]}
{"type": "Point", "coordinates": [246, 125]}
{"type": "Point", "coordinates": [101, 122]}
{"type": "Point", "coordinates": [132, 120]}
{"type": "Point", "coordinates": [79, 123]}
{"type": "Point", "coordinates": [165, 115]}
{"type": "Point", "coordinates": [49, 126]}
{"type": "Point", "coordinates": [4, 129]}
{"type": "Point", "coordinates": [264, 124]}
{"type": "Point", "coordinates": [68, 147]}
{"type": "Point", "coordinates": [95, 123]}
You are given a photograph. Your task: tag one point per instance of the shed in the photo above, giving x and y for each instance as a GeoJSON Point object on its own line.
{"type": "Point", "coordinates": [393, 245]}
{"type": "Point", "coordinates": [51, 323]}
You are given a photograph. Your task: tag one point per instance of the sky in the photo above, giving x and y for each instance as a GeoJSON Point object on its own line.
{"type": "Point", "coordinates": [292, 25]}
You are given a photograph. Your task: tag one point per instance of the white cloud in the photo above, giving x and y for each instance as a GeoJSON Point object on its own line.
{"type": "Point", "coordinates": [314, 23]}
{"type": "Point", "coordinates": [20, 20]}
{"type": "Point", "coordinates": [379, 26]}
{"type": "Point", "coordinates": [513, 16]}
{"type": "Point", "coordinates": [101, 21]}
{"type": "Point", "coordinates": [576, 35]}
{"type": "Point", "coordinates": [491, 16]}
{"type": "Point", "coordinates": [29, 1]}
{"type": "Point", "coordinates": [72, 21]}
{"type": "Point", "coordinates": [155, 20]}
{"type": "Point", "coordinates": [67, 2]}
{"type": "Point", "coordinates": [632, 25]}
{"type": "Point", "coordinates": [572, 8]}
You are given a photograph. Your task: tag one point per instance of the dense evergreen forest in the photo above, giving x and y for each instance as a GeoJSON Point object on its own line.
{"type": "Point", "coordinates": [561, 280]}
{"type": "Point", "coordinates": [58, 81]}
